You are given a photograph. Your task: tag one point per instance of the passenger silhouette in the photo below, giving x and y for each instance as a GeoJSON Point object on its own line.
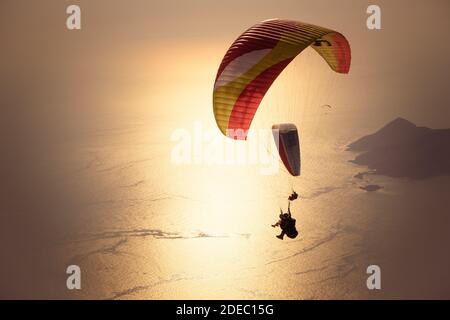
{"type": "Point", "coordinates": [287, 224]}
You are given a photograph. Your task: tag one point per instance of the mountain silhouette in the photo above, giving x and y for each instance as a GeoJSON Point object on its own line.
{"type": "Point", "coordinates": [402, 149]}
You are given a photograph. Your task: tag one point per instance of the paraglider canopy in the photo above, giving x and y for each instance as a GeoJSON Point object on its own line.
{"type": "Point", "coordinates": [255, 60]}
{"type": "Point", "coordinates": [288, 145]}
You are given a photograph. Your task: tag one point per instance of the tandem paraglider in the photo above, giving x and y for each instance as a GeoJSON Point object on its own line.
{"type": "Point", "coordinates": [287, 224]}
{"type": "Point", "coordinates": [247, 71]}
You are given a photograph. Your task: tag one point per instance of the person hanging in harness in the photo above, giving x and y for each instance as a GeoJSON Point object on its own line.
{"type": "Point", "coordinates": [287, 224]}
{"type": "Point", "coordinates": [293, 196]}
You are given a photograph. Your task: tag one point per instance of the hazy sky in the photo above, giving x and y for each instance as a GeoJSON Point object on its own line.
{"type": "Point", "coordinates": [123, 45]}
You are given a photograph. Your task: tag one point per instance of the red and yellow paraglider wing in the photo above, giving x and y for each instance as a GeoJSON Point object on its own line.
{"type": "Point", "coordinates": [255, 60]}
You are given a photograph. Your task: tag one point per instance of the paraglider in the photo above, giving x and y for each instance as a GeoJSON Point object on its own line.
{"type": "Point", "coordinates": [247, 71]}
{"type": "Point", "coordinates": [288, 145]}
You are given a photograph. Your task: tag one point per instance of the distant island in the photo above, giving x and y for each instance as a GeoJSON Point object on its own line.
{"type": "Point", "coordinates": [402, 149]}
{"type": "Point", "coordinates": [371, 187]}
